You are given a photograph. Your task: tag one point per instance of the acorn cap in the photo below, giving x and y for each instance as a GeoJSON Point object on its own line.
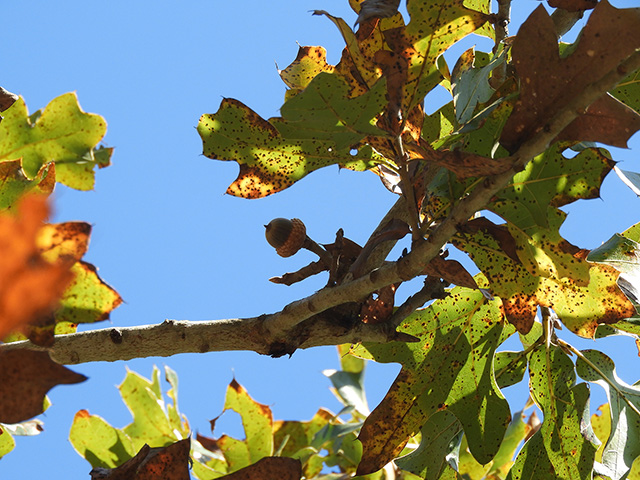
{"type": "Point", "coordinates": [286, 236]}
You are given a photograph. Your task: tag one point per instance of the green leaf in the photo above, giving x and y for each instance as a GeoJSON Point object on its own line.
{"type": "Point", "coordinates": [470, 83]}
{"type": "Point", "coordinates": [565, 408]}
{"type": "Point", "coordinates": [550, 272]}
{"type": "Point", "coordinates": [348, 362]}
{"type": "Point", "coordinates": [451, 368]}
{"type": "Point", "coordinates": [433, 28]}
{"type": "Point", "coordinates": [178, 422]}
{"type": "Point", "coordinates": [533, 462]}
{"type": "Point", "coordinates": [509, 368]}
{"type": "Point", "coordinates": [349, 388]}
{"type": "Point", "coordinates": [628, 91]}
{"type": "Point", "coordinates": [269, 161]}
{"type": "Point", "coordinates": [150, 424]}
{"type": "Point", "coordinates": [438, 441]}
{"type": "Point", "coordinates": [14, 184]}
{"type": "Point", "coordinates": [236, 452]}
{"type": "Point", "coordinates": [7, 443]}
{"type": "Point", "coordinates": [623, 446]}
{"type": "Point", "coordinates": [323, 112]}
{"type": "Point", "coordinates": [98, 442]}
{"type": "Point", "coordinates": [257, 421]}
{"type": "Point", "coordinates": [61, 133]}
{"type": "Point", "coordinates": [88, 298]}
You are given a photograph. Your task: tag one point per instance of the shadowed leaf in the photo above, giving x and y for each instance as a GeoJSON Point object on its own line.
{"type": "Point", "coordinates": [25, 378]}
{"type": "Point", "coordinates": [548, 82]}
{"type": "Point", "coordinates": [449, 369]}
{"type": "Point", "coordinates": [269, 468]}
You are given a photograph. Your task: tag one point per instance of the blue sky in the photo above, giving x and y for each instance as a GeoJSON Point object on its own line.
{"type": "Point", "coordinates": [165, 234]}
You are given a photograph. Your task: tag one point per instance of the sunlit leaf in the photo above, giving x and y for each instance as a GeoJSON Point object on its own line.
{"type": "Point", "coordinates": [61, 133]}
{"type": "Point", "coordinates": [100, 443]}
{"type": "Point", "coordinates": [257, 421]}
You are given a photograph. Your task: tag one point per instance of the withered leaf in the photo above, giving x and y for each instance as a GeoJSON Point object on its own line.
{"type": "Point", "coordinates": [167, 463]}
{"type": "Point", "coordinates": [451, 271]}
{"type": "Point", "coordinates": [25, 378]}
{"type": "Point", "coordinates": [6, 99]}
{"type": "Point", "coordinates": [282, 468]}
{"type": "Point", "coordinates": [379, 305]}
{"type": "Point", "coordinates": [573, 5]}
{"type": "Point", "coordinates": [548, 83]}
{"type": "Point", "coordinates": [463, 164]}
{"type": "Point", "coordinates": [500, 234]}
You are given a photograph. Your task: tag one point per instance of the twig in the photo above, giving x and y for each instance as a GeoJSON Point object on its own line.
{"type": "Point", "coordinates": [503, 18]}
{"type": "Point", "coordinates": [407, 189]}
{"type": "Point", "coordinates": [564, 20]}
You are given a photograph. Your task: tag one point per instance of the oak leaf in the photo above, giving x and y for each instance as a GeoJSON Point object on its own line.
{"type": "Point", "coordinates": [30, 286]}
{"type": "Point", "coordinates": [548, 82]}
{"type": "Point", "coordinates": [25, 378]}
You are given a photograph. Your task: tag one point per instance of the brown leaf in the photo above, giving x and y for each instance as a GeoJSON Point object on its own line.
{"type": "Point", "coordinates": [25, 378]}
{"type": "Point", "coordinates": [6, 99]}
{"type": "Point", "coordinates": [451, 271]}
{"type": "Point", "coordinates": [573, 5]}
{"type": "Point", "coordinates": [30, 286]}
{"type": "Point", "coordinates": [379, 305]}
{"type": "Point", "coordinates": [463, 164]}
{"type": "Point", "coordinates": [394, 68]}
{"type": "Point", "coordinates": [548, 83]}
{"type": "Point", "coordinates": [166, 463]}
{"type": "Point", "coordinates": [500, 234]}
{"type": "Point", "coordinates": [269, 468]}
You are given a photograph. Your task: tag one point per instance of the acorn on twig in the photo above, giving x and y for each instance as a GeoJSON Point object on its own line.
{"type": "Point", "coordinates": [286, 236]}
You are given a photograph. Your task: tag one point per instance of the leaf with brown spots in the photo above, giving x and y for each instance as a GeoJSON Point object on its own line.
{"type": "Point", "coordinates": [434, 27]}
{"type": "Point", "coordinates": [451, 368]}
{"type": "Point", "coordinates": [30, 285]}
{"type": "Point", "coordinates": [628, 91]}
{"type": "Point", "coordinates": [14, 184]}
{"type": "Point", "coordinates": [270, 161]}
{"type": "Point", "coordinates": [257, 421]}
{"type": "Point", "coordinates": [168, 463]}
{"type": "Point", "coordinates": [25, 378]}
{"type": "Point", "coordinates": [61, 133]}
{"type": "Point", "coordinates": [281, 468]}
{"type": "Point", "coordinates": [548, 83]}
{"type": "Point", "coordinates": [583, 295]}
{"type": "Point", "coordinates": [309, 62]}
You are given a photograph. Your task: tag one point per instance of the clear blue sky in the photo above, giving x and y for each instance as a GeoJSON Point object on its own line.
{"type": "Point", "coordinates": [165, 234]}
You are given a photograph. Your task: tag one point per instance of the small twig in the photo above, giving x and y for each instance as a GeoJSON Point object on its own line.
{"type": "Point", "coordinates": [503, 18]}
{"type": "Point", "coordinates": [407, 189]}
{"type": "Point", "coordinates": [564, 20]}
{"type": "Point", "coordinates": [305, 272]}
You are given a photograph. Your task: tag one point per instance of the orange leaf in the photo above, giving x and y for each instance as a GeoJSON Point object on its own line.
{"type": "Point", "coordinates": [30, 286]}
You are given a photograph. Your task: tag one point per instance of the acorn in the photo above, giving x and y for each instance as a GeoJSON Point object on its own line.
{"type": "Point", "coordinates": [286, 236]}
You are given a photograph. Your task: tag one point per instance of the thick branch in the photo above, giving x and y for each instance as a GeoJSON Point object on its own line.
{"type": "Point", "coordinates": [294, 327]}
{"type": "Point", "coordinates": [172, 337]}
